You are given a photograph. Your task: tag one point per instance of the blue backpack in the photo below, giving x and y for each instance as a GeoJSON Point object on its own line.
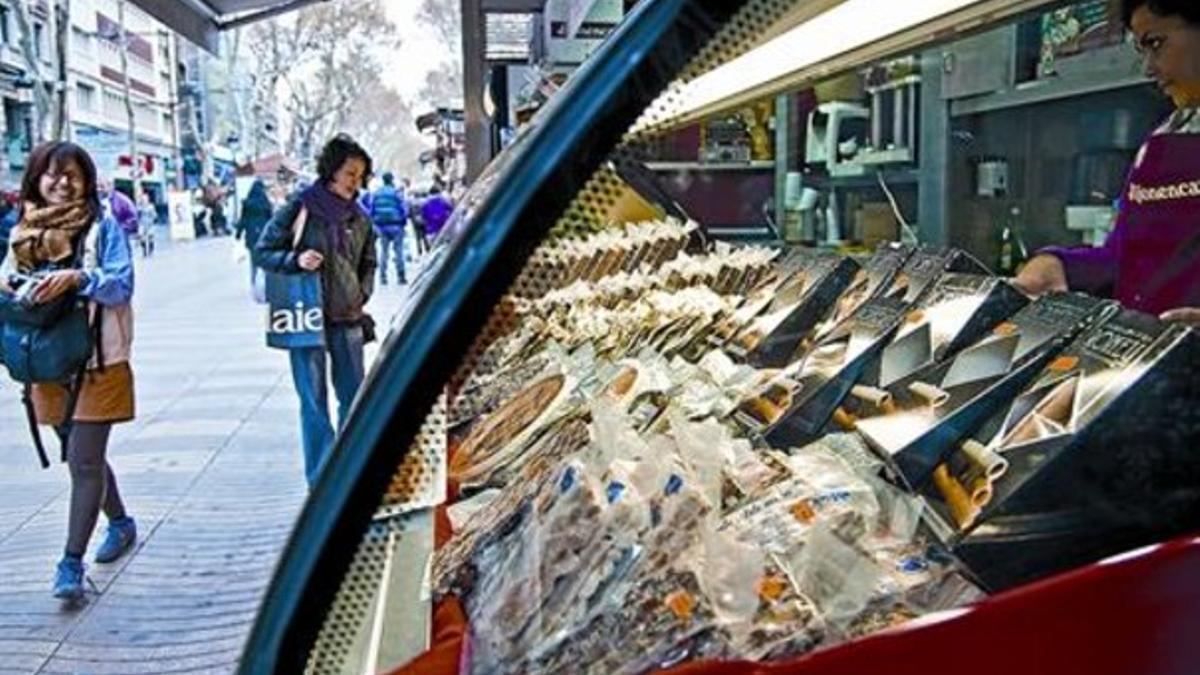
{"type": "Point", "coordinates": [47, 343]}
{"type": "Point", "coordinates": [388, 207]}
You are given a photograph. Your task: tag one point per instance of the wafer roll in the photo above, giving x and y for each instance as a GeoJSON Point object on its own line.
{"type": "Point", "coordinates": [962, 510]}
{"type": "Point", "coordinates": [844, 419]}
{"type": "Point", "coordinates": [980, 492]}
{"type": "Point", "coordinates": [873, 395]}
{"type": "Point", "coordinates": [932, 395]}
{"type": "Point", "coordinates": [990, 462]}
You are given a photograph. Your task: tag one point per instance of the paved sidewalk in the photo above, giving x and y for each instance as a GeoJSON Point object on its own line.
{"type": "Point", "coordinates": [211, 469]}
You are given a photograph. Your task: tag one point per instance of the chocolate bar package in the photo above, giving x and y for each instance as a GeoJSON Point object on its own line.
{"type": "Point", "coordinates": [917, 420]}
{"type": "Point", "coordinates": [953, 312]}
{"type": "Point", "coordinates": [925, 266]}
{"type": "Point", "coordinates": [796, 308]}
{"type": "Point", "coordinates": [874, 279]}
{"type": "Point", "coordinates": [1098, 456]}
{"type": "Point", "coordinates": [794, 409]}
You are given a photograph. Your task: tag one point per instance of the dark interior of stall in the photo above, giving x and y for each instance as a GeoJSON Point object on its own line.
{"type": "Point", "coordinates": [999, 144]}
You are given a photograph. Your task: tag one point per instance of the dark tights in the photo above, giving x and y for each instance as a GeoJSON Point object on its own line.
{"type": "Point", "coordinates": [93, 485]}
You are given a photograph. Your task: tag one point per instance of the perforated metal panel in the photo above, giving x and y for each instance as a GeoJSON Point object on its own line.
{"type": "Point", "coordinates": [418, 484]}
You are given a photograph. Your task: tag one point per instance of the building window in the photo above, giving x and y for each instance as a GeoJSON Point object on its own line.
{"type": "Point", "coordinates": [39, 34]}
{"type": "Point", "coordinates": [85, 96]}
{"type": "Point", "coordinates": [114, 104]}
{"type": "Point", "coordinates": [4, 34]}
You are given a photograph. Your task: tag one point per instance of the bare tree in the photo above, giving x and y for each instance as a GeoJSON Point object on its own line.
{"type": "Point", "coordinates": [61, 16]}
{"type": "Point", "coordinates": [384, 121]}
{"type": "Point", "coordinates": [444, 83]}
{"type": "Point", "coordinates": [135, 163]}
{"type": "Point", "coordinates": [321, 58]}
{"type": "Point", "coordinates": [30, 49]}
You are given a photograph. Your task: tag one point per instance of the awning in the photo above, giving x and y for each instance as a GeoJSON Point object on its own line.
{"type": "Point", "coordinates": [201, 21]}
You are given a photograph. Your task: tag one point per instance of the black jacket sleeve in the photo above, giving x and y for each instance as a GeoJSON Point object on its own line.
{"type": "Point", "coordinates": [274, 252]}
{"type": "Point", "coordinates": [367, 264]}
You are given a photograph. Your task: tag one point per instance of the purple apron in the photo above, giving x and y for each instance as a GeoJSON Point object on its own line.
{"type": "Point", "coordinates": [1151, 261]}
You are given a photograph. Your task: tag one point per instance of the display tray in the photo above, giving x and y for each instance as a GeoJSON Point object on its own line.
{"type": "Point", "coordinates": [798, 305]}
{"type": "Point", "coordinates": [1098, 452]}
{"type": "Point", "coordinates": [935, 408]}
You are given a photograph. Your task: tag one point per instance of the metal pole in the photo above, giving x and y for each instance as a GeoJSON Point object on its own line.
{"type": "Point", "coordinates": [474, 71]}
{"type": "Point", "coordinates": [123, 49]}
{"type": "Point", "coordinates": [177, 107]}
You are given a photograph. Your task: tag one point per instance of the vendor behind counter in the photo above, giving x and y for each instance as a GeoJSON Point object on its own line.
{"type": "Point", "coordinates": [1151, 261]}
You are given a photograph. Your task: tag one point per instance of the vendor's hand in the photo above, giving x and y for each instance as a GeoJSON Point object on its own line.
{"type": "Point", "coordinates": [310, 260]}
{"type": "Point", "coordinates": [55, 284]}
{"type": "Point", "coordinates": [1186, 315]}
{"type": "Point", "coordinates": [1042, 274]}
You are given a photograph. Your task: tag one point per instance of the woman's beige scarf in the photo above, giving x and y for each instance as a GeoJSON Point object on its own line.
{"type": "Point", "coordinates": [48, 234]}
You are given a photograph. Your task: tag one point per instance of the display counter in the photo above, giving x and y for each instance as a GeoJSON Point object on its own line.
{"type": "Point", "coordinates": [600, 439]}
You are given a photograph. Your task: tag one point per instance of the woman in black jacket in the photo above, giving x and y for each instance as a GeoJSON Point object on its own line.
{"type": "Point", "coordinates": [256, 211]}
{"type": "Point", "coordinates": [338, 242]}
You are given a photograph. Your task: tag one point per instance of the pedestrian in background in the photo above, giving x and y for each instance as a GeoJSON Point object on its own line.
{"type": "Point", "coordinates": [62, 220]}
{"type": "Point", "coordinates": [118, 206]}
{"type": "Point", "coordinates": [214, 196]}
{"type": "Point", "coordinates": [8, 219]}
{"type": "Point", "coordinates": [338, 241]}
{"type": "Point", "coordinates": [147, 217]}
{"type": "Point", "coordinates": [256, 211]}
{"type": "Point", "coordinates": [389, 213]}
{"type": "Point", "coordinates": [436, 211]}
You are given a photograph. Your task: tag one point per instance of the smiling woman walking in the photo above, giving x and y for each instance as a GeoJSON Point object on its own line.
{"type": "Point", "coordinates": [65, 245]}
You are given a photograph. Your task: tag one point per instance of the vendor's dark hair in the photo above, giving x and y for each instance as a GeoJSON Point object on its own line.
{"type": "Point", "coordinates": [56, 154]}
{"type": "Point", "coordinates": [1189, 10]}
{"type": "Point", "coordinates": [337, 152]}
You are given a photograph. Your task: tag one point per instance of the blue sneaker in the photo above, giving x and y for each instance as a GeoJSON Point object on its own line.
{"type": "Point", "coordinates": [122, 534]}
{"type": "Point", "coordinates": [68, 579]}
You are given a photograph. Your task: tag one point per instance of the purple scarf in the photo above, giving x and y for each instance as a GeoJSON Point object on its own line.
{"type": "Point", "coordinates": [332, 210]}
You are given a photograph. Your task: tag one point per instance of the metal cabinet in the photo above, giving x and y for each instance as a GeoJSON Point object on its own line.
{"type": "Point", "coordinates": [980, 64]}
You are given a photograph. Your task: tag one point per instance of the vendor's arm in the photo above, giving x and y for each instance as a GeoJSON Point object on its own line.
{"type": "Point", "coordinates": [1082, 268]}
{"type": "Point", "coordinates": [1043, 274]}
{"type": "Point", "coordinates": [1186, 315]}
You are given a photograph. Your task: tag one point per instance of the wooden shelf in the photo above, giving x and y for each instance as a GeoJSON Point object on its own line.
{"type": "Point", "coordinates": [760, 165]}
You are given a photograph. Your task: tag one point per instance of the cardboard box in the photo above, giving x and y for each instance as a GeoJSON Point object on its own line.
{"type": "Point", "coordinates": [876, 224]}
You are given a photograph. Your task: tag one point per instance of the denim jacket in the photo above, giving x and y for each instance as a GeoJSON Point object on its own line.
{"type": "Point", "coordinates": [108, 266]}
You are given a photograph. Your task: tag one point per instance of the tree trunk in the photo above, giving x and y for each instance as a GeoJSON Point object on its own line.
{"type": "Point", "coordinates": [62, 35]}
{"type": "Point", "coordinates": [41, 97]}
{"type": "Point", "coordinates": [135, 169]}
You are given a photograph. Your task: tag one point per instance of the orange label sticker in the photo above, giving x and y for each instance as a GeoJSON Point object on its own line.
{"type": "Point", "coordinates": [1064, 363]}
{"type": "Point", "coordinates": [772, 587]}
{"type": "Point", "coordinates": [681, 604]}
{"type": "Point", "coordinates": [1006, 329]}
{"type": "Point", "coordinates": [803, 512]}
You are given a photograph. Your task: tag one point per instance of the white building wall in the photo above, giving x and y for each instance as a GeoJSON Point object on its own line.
{"type": "Point", "coordinates": [97, 96]}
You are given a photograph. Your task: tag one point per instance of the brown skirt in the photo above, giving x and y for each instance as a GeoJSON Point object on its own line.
{"type": "Point", "coordinates": [106, 396]}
